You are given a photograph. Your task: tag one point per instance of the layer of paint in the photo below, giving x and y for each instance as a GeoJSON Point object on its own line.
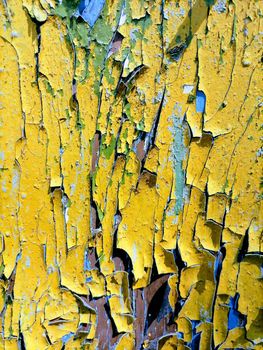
{"type": "Point", "coordinates": [130, 174]}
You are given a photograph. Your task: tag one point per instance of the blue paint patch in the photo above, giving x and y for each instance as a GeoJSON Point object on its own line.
{"type": "Point", "coordinates": [18, 257]}
{"type": "Point", "coordinates": [15, 179]}
{"type": "Point", "coordinates": [66, 337]}
{"type": "Point", "coordinates": [45, 252]}
{"type": "Point", "coordinates": [3, 186]}
{"type": "Point", "coordinates": [179, 152]}
{"type": "Point", "coordinates": [87, 263]}
{"type": "Point", "coordinates": [90, 10]}
{"type": "Point", "coordinates": [200, 101]}
{"type": "Point", "coordinates": [235, 318]}
{"type": "Point", "coordinates": [134, 252]}
{"type": "Point", "coordinates": [220, 6]}
{"type": "Point", "coordinates": [179, 335]}
{"type": "Point", "coordinates": [218, 265]}
{"type": "Point", "coordinates": [72, 189]}
{"type": "Point", "coordinates": [27, 261]}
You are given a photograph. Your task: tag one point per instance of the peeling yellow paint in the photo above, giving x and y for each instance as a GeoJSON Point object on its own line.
{"type": "Point", "coordinates": [131, 174]}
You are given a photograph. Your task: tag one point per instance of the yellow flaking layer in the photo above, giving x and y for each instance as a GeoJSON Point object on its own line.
{"type": "Point", "coordinates": [131, 174]}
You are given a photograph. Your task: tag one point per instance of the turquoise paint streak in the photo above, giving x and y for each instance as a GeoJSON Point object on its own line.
{"type": "Point", "coordinates": [178, 154]}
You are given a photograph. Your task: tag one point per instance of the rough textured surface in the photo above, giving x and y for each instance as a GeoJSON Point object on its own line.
{"type": "Point", "coordinates": [131, 174]}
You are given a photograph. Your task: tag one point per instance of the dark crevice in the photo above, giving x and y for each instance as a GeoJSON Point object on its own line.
{"type": "Point", "coordinates": [153, 132]}
{"type": "Point", "coordinates": [97, 264]}
{"type": "Point", "coordinates": [159, 306]}
{"type": "Point", "coordinates": [74, 103]}
{"type": "Point", "coordinates": [21, 342]}
{"type": "Point", "coordinates": [117, 38]}
{"type": "Point", "coordinates": [94, 219]}
{"type": "Point", "coordinates": [116, 154]}
{"type": "Point", "coordinates": [177, 51]}
{"type": "Point", "coordinates": [180, 301]}
{"type": "Point", "coordinates": [162, 31]}
{"type": "Point", "coordinates": [48, 339]}
{"type": "Point", "coordinates": [178, 259]}
{"type": "Point", "coordinates": [114, 328]}
{"type": "Point", "coordinates": [120, 253]}
{"type": "Point", "coordinates": [244, 248]}
{"type": "Point", "coordinates": [196, 337]}
{"type": "Point", "coordinates": [206, 25]}
{"type": "Point", "coordinates": [206, 195]}
{"type": "Point", "coordinates": [154, 273]}
{"type": "Point", "coordinates": [95, 151]}
{"type": "Point", "coordinates": [218, 263]}
{"type": "Point", "coordinates": [132, 75]}
{"type": "Point", "coordinates": [117, 220]}
{"type": "Point", "coordinates": [38, 30]}
{"type": "Point", "coordinates": [37, 53]}
{"type": "Point", "coordinates": [54, 188]}
{"type": "Point", "coordinates": [177, 308]}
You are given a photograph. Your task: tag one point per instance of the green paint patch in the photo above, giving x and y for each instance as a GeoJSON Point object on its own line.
{"type": "Point", "coordinates": [126, 173]}
{"type": "Point", "coordinates": [96, 88]}
{"type": "Point", "coordinates": [226, 184]}
{"type": "Point", "coordinates": [66, 8]}
{"type": "Point", "coordinates": [49, 88]}
{"type": "Point", "coordinates": [80, 31]}
{"type": "Point", "coordinates": [68, 116]}
{"type": "Point", "coordinates": [109, 76]}
{"type": "Point", "coordinates": [100, 213]}
{"type": "Point", "coordinates": [141, 125]}
{"type": "Point", "coordinates": [127, 111]}
{"type": "Point", "coordinates": [191, 98]}
{"type": "Point", "coordinates": [77, 31]}
{"type": "Point", "coordinates": [2, 267]}
{"type": "Point", "coordinates": [125, 133]}
{"type": "Point", "coordinates": [102, 32]}
{"type": "Point", "coordinates": [101, 257]}
{"type": "Point", "coordinates": [98, 59]}
{"type": "Point", "coordinates": [107, 150]}
{"type": "Point", "coordinates": [147, 22]}
{"type": "Point", "coordinates": [199, 43]}
{"type": "Point", "coordinates": [79, 123]}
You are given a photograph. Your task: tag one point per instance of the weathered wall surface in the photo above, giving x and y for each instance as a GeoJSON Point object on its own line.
{"type": "Point", "coordinates": [131, 164]}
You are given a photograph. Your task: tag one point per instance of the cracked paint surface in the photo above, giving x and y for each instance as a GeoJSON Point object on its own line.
{"type": "Point", "coordinates": [131, 174]}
